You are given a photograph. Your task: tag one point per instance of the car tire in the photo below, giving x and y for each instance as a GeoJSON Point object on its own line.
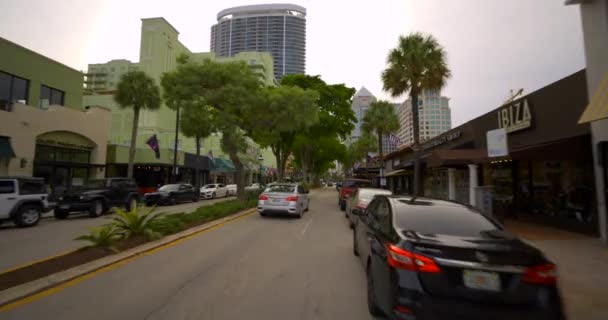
{"type": "Point", "coordinates": [131, 203]}
{"type": "Point", "coordinates": [96, 209]}
{"type": "Point", "coordinates": [307, 206]}
{"type": "Point", "coordinates": [343, 206]}
{"type": "Point", "coordinates": [372, 305]}
{"type": "Point", "coordinates": [300, 214]}
{"type": "Point", "coordinates": [226, 194]}
{"type": "Point", "coordinates": [262, 214]}
{"type": "Point", "coordinates": [172, 201]}
{"type": "Point", "coordinates": [213, 195]}
{"type": "Point", "coordinates": [195, 199]}
{"type": "Point", "coordinates": [27, 216]}
{"type": "Point", "coordinates": [61, 214]}
{"type": "Point", "coordinates": [355, 250]}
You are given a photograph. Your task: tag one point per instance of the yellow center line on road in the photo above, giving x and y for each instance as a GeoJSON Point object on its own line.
{"type": "Point", "coordinates": [60, 287]}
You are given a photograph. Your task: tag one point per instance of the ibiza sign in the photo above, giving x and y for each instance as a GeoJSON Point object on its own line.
{"type": "Point", "coordinates": [515, 117]}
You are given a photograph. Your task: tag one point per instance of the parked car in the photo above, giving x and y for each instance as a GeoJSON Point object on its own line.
{"type": "Point", "coordinates": [97, 197]}
{"type": "Point", "coordinates": [172, 194]}
{"type": "Point", "coordinates": [359, 200]}
{"type": "Point", "coordinates": [232, 188]}
{"type": "Point", "coordinates": [254, 186]}
{"type": "Point", "coordinates": [433, 259]}
{"type": "Point", "coordinates": [23, 200]}
{"type": "Point", "coordinates": [213, 190]}
{"type": "Point", "coordinates": [330, 184]}
{"type": "Point", "coordinates": [348, 187]}
{"type": "Point", "coordinates": [285, 199]}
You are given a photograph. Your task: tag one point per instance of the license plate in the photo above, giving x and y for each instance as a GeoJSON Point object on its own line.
{"type": "Point", "coordinates": [276, 200]}
{"type": "Point", "coordinates": [481, 280]}
{"type": "Point", "coordinates": [64, 206]}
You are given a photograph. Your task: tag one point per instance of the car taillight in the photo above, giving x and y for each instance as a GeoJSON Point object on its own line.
{"type": "Point", "coordinates": [403, 259]}
{"type": "Point", "coordinates": [263, 197]}
{"type": "Point", "coordinates": [292, 198]}
{"type": "Point", "coordinates": [361, 206]}
{"type": "Point", "coordinates": [541, 274]}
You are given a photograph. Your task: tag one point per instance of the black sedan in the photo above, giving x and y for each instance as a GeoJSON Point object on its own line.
{"type": "Point", "coordinates": [433, 259]}
{"type": "Point", "coordinates": [172, 194]}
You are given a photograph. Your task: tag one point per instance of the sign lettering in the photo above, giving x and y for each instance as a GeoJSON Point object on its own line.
{"type": "Point", "coordinates": [515, 116]}
{"type": "Point", "coordinates": [442, 139]}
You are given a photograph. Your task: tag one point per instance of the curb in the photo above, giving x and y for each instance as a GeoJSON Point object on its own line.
{"type": "Point", "coordinates": [13, 294]}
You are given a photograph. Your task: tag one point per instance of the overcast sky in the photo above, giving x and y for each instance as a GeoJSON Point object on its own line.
{"type": "Point", "coordinates": [492, 45]}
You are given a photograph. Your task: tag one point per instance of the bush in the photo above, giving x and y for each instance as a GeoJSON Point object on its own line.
{"type": "Point", "coordinates": [252, 194]}
{"type": "Point", "coordinates": [104, 236]}
{"type": "Point", "coordinates": [137, 222]}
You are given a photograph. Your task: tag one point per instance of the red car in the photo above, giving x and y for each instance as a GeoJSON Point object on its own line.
{"type": "Point", "coordinates": [349, 186]}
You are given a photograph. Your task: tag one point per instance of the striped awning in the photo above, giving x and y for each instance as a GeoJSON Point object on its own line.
{"type": "Point", "coordinates": [598, 107]}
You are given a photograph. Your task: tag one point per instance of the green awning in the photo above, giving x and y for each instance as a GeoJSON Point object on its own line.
{"type": "Point", "coordinates": [220, 164]}
{"type": "Point", "coordinates": [6, 150]}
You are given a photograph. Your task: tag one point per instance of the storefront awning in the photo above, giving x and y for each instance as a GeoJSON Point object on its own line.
{"type": "Point", "coordinates": [220, 164]}
{"type": "Point", "coordinates": [396, 173]}
{"type": "Point", "coordinates": [598, 107]}
{"type": "Point", "coordinates": [6, 150]}
{"type": "Point", "coordinates": [441, 158]}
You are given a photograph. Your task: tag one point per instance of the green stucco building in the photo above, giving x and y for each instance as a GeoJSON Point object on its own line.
{"type": "Point", "coordinates": [159, 49]}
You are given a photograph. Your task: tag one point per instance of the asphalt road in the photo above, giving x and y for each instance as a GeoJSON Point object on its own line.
{"type": "Point", "coordinates": [20, 246]}
{"type": "Point", "coordinates": [250, 268]}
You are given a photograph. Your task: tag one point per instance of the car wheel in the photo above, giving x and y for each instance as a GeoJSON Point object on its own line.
{"type": "Point", "coordinates": [355, 250]}
{"type": "Point", "coordinates": [195, 199]}
{"type": "Point", "coordinates": [60, 214]}
{"type": "Point", "coordinates": [262, 214]}
{"type": "Point", "coordinates": [131, 204]}
{"type": "Point", "coordinates": [300, 214]}
{"type": "Point", "coordinates": [27, 216]}
{"type": "Point", "coordinates": [307, 206]}
{"type": "Point", "coordinates": [343, 206]}
{"type": "Point", "coordinates": [96, 209]}
{"type": "Point", "coordinates": [372, 305]}
{"type": "Point", "coordinates": [226, 194]}
{"type": "Point", "coordinates": [172, 201]}
{"type": "Point", "coordinates": [213, 195]}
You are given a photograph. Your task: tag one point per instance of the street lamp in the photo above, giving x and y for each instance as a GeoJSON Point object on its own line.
{"type": "Point", "coordinates": [260, 159]}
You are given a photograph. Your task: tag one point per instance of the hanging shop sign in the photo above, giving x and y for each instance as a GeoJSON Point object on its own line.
{"type": "Point", "coordinates": [515, 117]}
{"type": "Point", "coordinates": [497, 143]}
{"type": "Point", "coordinates": [442, 139]}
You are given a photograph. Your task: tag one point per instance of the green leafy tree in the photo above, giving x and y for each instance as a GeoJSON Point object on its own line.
{"type": "Point", "coordinates": [233, 91]}
{"type": "Point", "coordinates": [286, 111]}
{"type": "Point", "coordinates": [417, 63]}
{"type": "Point", "coordinates": [137, 91]}
{"type": "Point", "coordinates": [381, 120]}
{"type": "Point", "coordinates": [336, 119]}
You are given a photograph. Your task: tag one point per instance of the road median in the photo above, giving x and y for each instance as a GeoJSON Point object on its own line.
{"type": "Point", "coordinates": [96, 260]}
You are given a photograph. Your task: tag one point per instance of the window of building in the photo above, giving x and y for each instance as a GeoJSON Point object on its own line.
{"type": "Point", "coordinates": [112, 69]}
{"type": "Point", "coordinates": [13, 89]}
{"type": "Point", "coordinates": [50, 96]}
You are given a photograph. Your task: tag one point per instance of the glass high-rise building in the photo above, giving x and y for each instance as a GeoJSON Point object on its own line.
{"type": "Point", "coordinates": [276, 28]}
{"type": "Point", "coordinates": [434, 117]}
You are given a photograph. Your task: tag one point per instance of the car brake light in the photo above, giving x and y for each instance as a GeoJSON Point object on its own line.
{"type": "Point", "coordinates": [541, 274]}
{"type": "Point", "coordinates": [403, 259]}
{"type": "Point", "coordinates": [292, 198]}
{"type": "Point", "coordinates": [361, 206]}
{"type": "Point", "coordinates": [263, 197]}
{"type": "Point", "coordinates": [403, 309]}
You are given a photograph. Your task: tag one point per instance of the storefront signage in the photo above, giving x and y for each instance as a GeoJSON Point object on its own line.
{"type": "Point", "coordinates": [64, 144]}
{"type": "Point", "coordinates": [442, 139]}
{"type": "Point", "coordinates": [515, 116]}
{"type": "Point", "coordinates": [497, 143]}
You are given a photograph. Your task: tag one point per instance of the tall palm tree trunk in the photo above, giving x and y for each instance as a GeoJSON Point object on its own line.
{"type": "Point", "coordinates": [416, 126]}
{"type": "Point", "coordinates": [133, 142]}
{"type": "Point", "coordinates": [381, 157]}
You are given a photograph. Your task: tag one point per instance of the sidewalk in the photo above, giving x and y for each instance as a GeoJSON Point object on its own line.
{"type": "Point", "coordinates": [582, 262]}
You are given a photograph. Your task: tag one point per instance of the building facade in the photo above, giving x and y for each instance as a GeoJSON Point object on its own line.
{"type": "Point", "coordinates": [44, 130]}
{"type": "Point", "coordinates": [361, 102]}
{"type": "Point", "coordinates": [434, 117]}
{"type": "Point", "coordinates": [160, 47]}
{"type": "Point", "coordinates": [276, 28]}
{"type": "Point", "coordinates": [546, 175]}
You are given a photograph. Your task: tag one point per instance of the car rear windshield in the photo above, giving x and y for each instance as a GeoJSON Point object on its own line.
{"type": "Point", "coordinates": [356, 184]}
{"type": "Point", "coordinates": [280, 188]}
{"type": "Point", "coordinates": [209, 186]}
{"type": "Point", "coordinates": [95, 184]}
{"type": "Point", "coordinates": [442, 219]}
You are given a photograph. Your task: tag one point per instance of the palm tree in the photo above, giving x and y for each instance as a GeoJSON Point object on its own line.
{"type": "Point", "coordinates": [381, 120]}
{"type": "Point", "coordinates": [197, 122]}
{"type": "Point", "coordinates": [137, 91]}
{"type": "Point", "coordinates": [417, 63]}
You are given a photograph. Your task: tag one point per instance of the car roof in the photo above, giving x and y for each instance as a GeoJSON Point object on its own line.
{"type": "Point", "coordinates": [401, 200]}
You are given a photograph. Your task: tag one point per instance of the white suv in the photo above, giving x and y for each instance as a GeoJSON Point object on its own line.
{"type": "Point", "coordinates": [23, 200]}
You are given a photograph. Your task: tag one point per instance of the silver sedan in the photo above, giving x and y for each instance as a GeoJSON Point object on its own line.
{"type": "Point", "coordinates": [285, 199]}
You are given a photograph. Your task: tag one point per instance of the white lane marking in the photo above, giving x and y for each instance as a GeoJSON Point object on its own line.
{"type": "Point", "coordinates": [306, 226]}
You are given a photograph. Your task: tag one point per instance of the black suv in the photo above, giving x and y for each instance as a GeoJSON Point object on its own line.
{"type": "Point", "coordinates": [97, 197]}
